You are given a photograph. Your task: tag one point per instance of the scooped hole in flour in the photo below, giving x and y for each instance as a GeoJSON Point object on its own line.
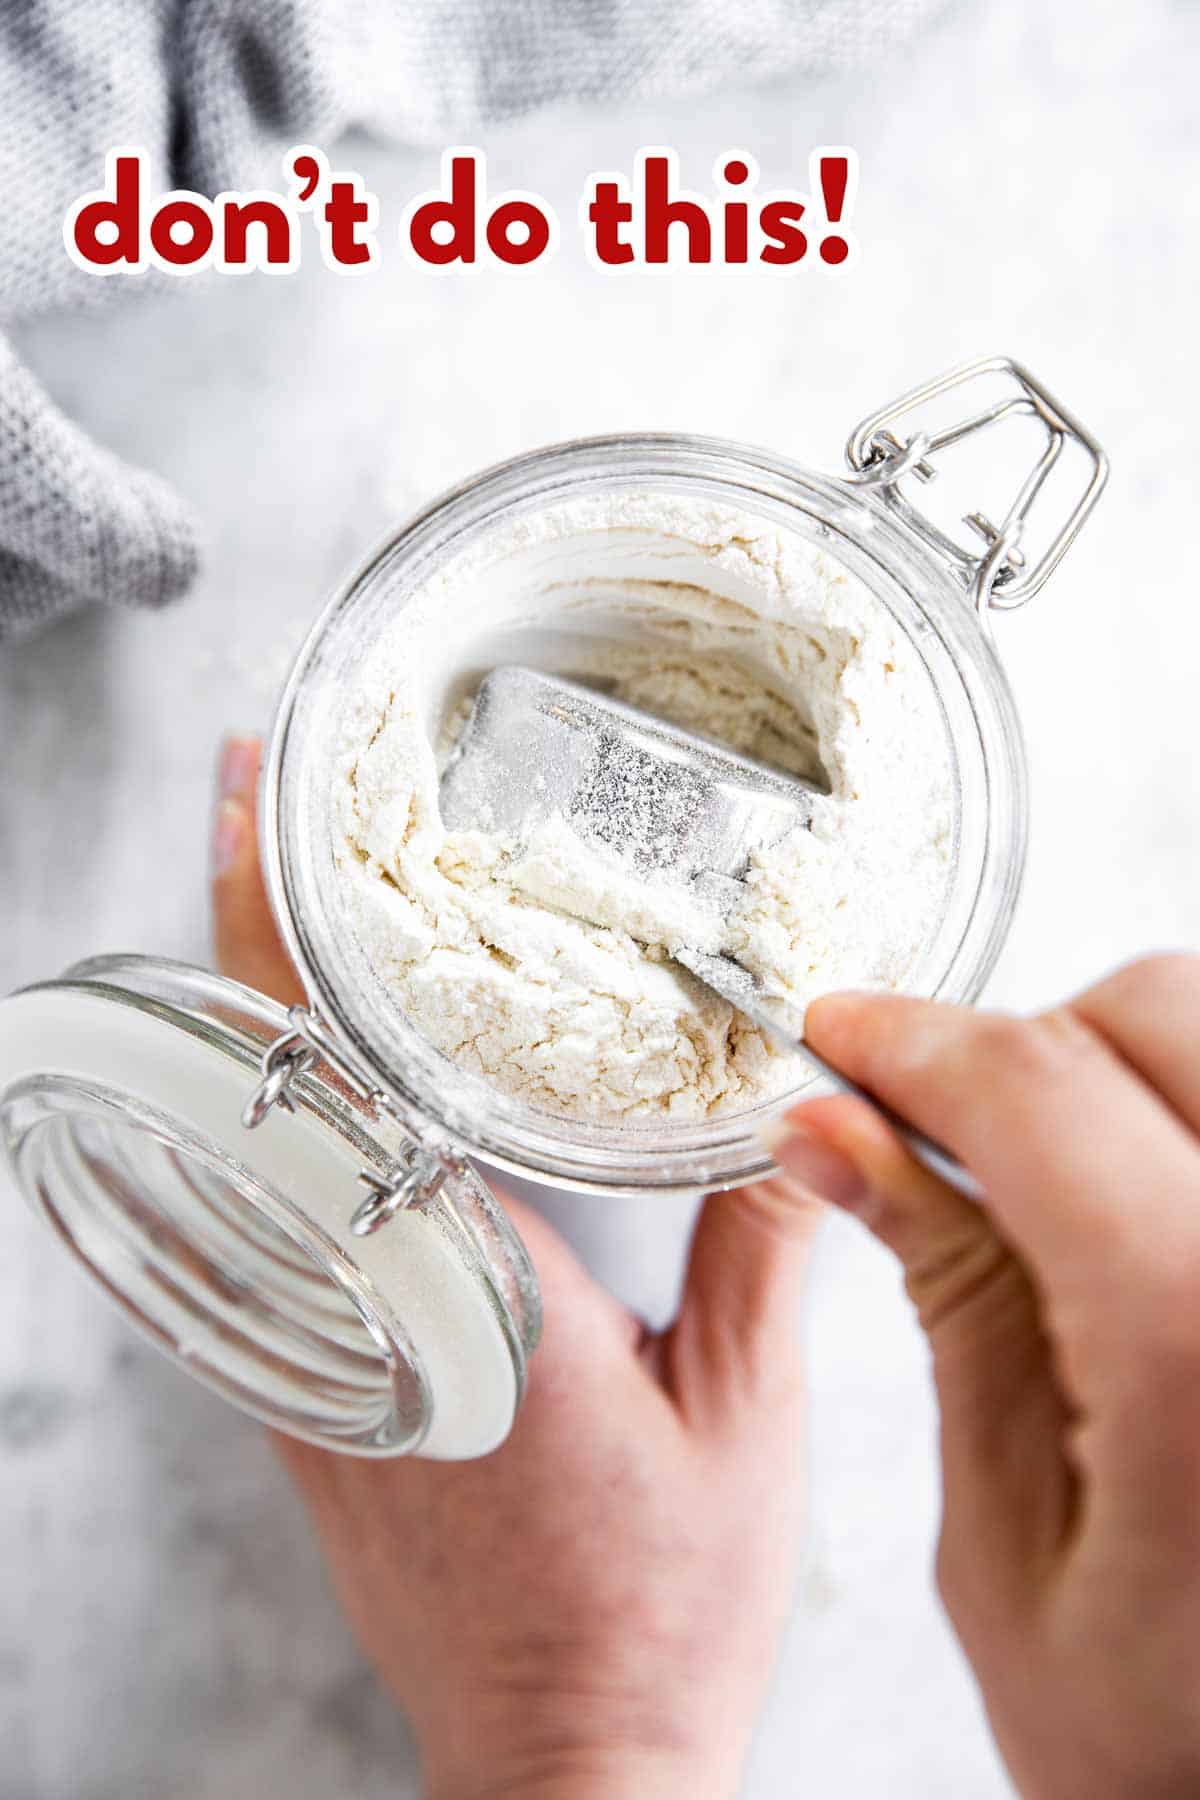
{"type": "Point", "coordinates": [549, 972]}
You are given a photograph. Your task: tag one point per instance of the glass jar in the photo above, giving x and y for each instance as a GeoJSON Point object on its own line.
{"type": "Point", "coordinates": [198, 1149]}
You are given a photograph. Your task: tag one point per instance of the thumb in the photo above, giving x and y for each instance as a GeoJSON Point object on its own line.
{"type": "Point", "coordinates": [1008, 1490]}
{"type": "Point", "coordinates": [247, 943]}
{"type": "Point", "coordinates": [736, 1339]}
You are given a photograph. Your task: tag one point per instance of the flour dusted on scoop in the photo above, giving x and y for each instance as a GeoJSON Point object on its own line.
{"type": "Point", "coordinates": [545, 965]}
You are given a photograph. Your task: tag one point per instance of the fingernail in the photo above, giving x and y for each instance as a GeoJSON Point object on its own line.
{"type": "Point", "coordinates": [230, 824]}
{"type": "Point", "coordinates": [238, 768]}
{"type": "Point", "coordinates": [821, 1170]}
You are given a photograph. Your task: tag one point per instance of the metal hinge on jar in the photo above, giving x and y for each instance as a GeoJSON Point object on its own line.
{"type": "Point", "coordinates": [999, 578]}
{"type": "Point", "coordinates": [425, 1163]}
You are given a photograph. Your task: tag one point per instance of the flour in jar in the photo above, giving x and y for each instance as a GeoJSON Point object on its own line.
{"type": "Point", "coordinates": [546, 968]}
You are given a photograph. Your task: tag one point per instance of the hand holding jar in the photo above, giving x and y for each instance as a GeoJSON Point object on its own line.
{"type": "Point", "coordinates": [594, 1608]}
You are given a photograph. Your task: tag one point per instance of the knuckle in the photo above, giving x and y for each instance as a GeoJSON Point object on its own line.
{"type": "Point", "coordinates": [1004, 1039]}
{"type": "Point", "coordinates": [1032, 1048]}
{"type": "Point", "coordinates": [991, 1052]}
{"type": "Point", "coordinates": [1166, 972]}
{"type": "Point", "coordinates": [1063, 1035]}
{"type": "Point", "coordinates": [970, 1270]}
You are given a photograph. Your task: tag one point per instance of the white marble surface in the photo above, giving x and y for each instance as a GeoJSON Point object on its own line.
{"type": "Point", "coordinates": [1029, 182]}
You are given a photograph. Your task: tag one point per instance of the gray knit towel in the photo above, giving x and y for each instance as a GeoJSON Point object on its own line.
{"type": "Point", "coordinates": [215, 89]}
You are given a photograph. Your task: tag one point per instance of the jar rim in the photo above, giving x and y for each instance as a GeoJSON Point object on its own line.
{"type": "Point", "coordinates": [865, 535]}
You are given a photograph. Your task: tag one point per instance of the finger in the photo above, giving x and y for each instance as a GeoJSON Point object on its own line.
{"type": "Point", "coordinates": [1149, 1012]}
{"type": "Point", "coordinates": [575, 1307]}
{"type": "Point", "coordinates": [934, 1231]}
{"type": "Point", "coordinates": [1084, 1167]}
{"type": "Point", "coordinates": [1009, 1492]}
{"type": "Point", "coordinates": [588, 1361]}
{"type": "Point", "coordinates": [736, 1341]}
{"type": "Point", "coordinates": [247, 943]}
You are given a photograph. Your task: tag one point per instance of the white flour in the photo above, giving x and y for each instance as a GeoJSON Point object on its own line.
{"type": "Point", "coordinates": [709, 617]}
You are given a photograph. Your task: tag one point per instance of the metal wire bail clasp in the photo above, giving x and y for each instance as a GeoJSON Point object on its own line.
{"type": "Point", "coordinates": [422, 1167]}
{"type": "Point", "coordinates": [282, 1061]}
{"type": "Point", "coordinates": [999, 578]}
{"type": "Point", "coordinates": [419, 1183]}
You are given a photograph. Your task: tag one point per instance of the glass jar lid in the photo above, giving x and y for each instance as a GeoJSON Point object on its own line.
{"type": "Point", "coordinates": [252, 1257]}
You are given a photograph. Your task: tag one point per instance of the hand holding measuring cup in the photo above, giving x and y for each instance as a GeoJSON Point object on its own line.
{"type": "Point", "coordinates": [1064, 1319]}
{"type": "Point", "coordinates": [588, 1612]}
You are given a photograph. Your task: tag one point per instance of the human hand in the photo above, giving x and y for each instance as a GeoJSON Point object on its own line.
{"type": "Point", "coordinates": [595, 1607]}
{"type": "Point", "coordinates": [1064, 1321]}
